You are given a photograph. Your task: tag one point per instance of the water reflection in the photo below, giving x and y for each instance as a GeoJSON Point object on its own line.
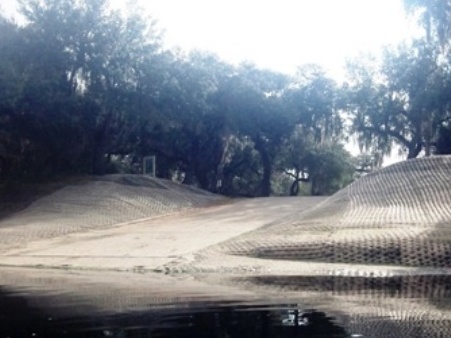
{"type": "Point", "coordinates": [430, 287]}
{"type": "Point", "coordinates": [19, 319]}
{"type": "Point", "coordinates": [105, 304]}
{"type": "Point", "coordinates": [402, 306]}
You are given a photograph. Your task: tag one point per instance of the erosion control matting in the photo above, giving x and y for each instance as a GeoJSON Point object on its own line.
{"type": "Point", "coordinates": [98, 203]}
{"type": "Point", "coordinates": [398, 216]}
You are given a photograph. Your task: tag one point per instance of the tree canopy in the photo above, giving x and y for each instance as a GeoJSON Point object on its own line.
{"type": "Point", "coordinates": [405, 99]}
{"type": "Point", "coordinates": [88, 90]}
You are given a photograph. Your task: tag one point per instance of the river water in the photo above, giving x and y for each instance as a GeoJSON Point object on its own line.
{"type": "Point", "coordinates": [47, 303]}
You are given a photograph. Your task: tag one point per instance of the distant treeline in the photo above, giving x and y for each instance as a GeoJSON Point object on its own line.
{"type": "Point", "coordinates": [88, 90]}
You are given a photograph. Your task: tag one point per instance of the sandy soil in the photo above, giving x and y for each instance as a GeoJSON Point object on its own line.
{"type": "Point", "coordinates": [392, 222]}
{"type": "Point", "coordinates": [99, 203]}
{"type": "Point", "coordinates": [156, 243]}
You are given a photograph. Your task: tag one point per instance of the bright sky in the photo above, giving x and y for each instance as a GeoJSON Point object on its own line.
{"type": "Point", "coordinates": [281, 34]}
{"type": "Point", "coordinates": [278, 34]}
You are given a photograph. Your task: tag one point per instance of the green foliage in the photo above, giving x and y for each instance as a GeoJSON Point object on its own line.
{"type": "Point", "coordinates": [324, 167]}
{"type": "Point", "coordinates": [315, 102]}
{"type": "Point", "coordinates": [434, 16]}
{"type": "Point", "coordinates": [74, 72]}
{"type": "Point", "coordinates": [330, 168]}
{"type": "Point", "coordinates": [84, 89]}
{"type": "Point", "coordinates": [404, 103]}
{"type": "Point", "coordinates": [253, 103]}
{"type": "Point", "coordinates": [405, 100]}
{"type": "Point", "coordinates": [242, 171]}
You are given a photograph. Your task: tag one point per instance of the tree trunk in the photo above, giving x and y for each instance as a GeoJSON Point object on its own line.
{"type": "Point", "coordinates": [427, 149]}
{"type": "Point", "coordinates": [265, 185]}
{"type": "Point", "coordinates": [414, 150]}
{"type": "Point", "coordinates": [317, 188]}
{"type": "Point", "coordinates": [202, 179]}
{"type": "Point", "coordinates": [294, 188]}
{"type": "Point", "coordinates": [191, 172]}
{"type": "Point", "coordinates": [220, 169]}
{"type": "Point", "coordinates": [189, 176]}
{"type": "Point", "coordinates": [99, 161]}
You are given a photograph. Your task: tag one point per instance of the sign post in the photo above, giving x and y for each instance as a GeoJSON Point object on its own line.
{"type": "Point", "coordinates": [149, 165]}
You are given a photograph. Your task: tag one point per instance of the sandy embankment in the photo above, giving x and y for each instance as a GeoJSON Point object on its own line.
{"type": "Point", "coordinates": [394, 221]}
{"type": "Point", "coordinates": [131, 223]}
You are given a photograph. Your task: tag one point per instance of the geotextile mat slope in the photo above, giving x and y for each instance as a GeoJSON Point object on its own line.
{"type": "Point", "coordinates": [397, 216]}
{"type": "Point", "coordinates": [98, 203]}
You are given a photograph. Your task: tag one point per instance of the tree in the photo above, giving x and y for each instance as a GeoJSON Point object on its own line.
{"type": "Point", "coordinates": [313, 100]}
{"type": "Point", "coordinates": [293, 157]}
{"type": "Point", "coordinates": [443, 145]}
{"type": "Point", "coordinates": [326, 166]}
{"type": "Point", "coordinates": [83, 86]}
{"type": "Point", "coordinates": [404, 101]}
{"type": "Point", "coordinates": [330, 168]}
{"type": "Point", "coordinates": [251, 98]}
{"type": "Point", "coordinates": [434, 16]}
{"type": "Point", "coordinates": [192, 131]}
{"type": "Point", "coordinates": [10, 141]}
{"type": "Point", "coordinates": [435, 19]}
{"type": "Point", "coordinates": [242, 169]}
{"type": "Point", "coordinates": [79, 67]}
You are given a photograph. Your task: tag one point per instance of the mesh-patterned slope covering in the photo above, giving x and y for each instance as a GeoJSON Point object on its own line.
{"type": "Point", "coordinates": [400, 215]}
{"type": "Point", "coordinates": [101, 202]}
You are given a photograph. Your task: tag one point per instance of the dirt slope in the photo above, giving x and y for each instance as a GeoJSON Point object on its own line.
{"type": "Point", "coordinates": [99, 203]}
{"type": "Point", "coordinates": [400, 215]}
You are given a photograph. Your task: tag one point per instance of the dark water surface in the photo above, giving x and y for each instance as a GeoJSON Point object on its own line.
{"type": "Point", "coordinates": [18, 319]}
{"type": "Point", "coordinates": [63, 304]}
